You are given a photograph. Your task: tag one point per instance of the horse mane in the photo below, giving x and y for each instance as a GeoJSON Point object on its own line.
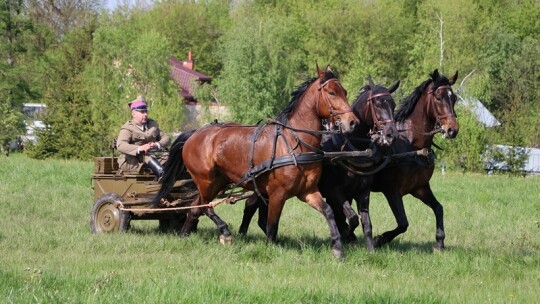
{"type": "Point", "coordinates": [298, 92]}
{"type": "Point", "coordinates": [406, 106]}
{"type": "Point", "coordinates": [363, 91]}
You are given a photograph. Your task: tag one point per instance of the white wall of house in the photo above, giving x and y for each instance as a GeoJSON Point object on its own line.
{"type": "Point", "coordinates": [198, 115]}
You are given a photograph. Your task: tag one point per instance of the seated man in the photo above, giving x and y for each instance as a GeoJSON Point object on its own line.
{"type": "Point", "coordinates": [138, 138]}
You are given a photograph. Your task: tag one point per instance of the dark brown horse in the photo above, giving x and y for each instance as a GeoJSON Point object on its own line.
{"type": "Point", "coordinates": [427, 111]}
{"type": "Point", "coordinates": [348, 178]}
{"type": "Point", "coordinates": [278, 160]}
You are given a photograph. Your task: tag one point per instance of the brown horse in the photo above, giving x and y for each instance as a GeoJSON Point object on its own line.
{"type": "Point", "coordinates": [427, 111]}
{"type": "Point", "coordinates": [279, 160]}
{"type": "Point", "coordinates": [345, 179]}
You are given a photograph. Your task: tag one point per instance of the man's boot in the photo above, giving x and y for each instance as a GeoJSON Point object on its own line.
{"type": "Point", "coordinates": [156, 167]}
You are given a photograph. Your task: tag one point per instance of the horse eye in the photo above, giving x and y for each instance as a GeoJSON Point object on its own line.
{"type": "Point", "coordinates": [332, 93]}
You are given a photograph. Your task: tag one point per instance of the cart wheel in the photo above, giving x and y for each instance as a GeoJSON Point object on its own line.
{"type": "Point", "coordinates": [106, 217]}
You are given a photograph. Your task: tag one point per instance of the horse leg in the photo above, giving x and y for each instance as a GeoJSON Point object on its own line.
{"type": "Point", "coordinates": [343, 211]}
{"type": "Point", "coordinates": [427, 197]}
{"type": "Point", "coordinates": [354, 222]}
{"type": "Point", "coordinates": [225, 237]}
{"type": "Point", "coordinates": [263, 215]}
{"type": "Point", "coordinates": [192, 219]}
{"type": "Point", "coordinates": [363, 208]}
{"type": "Point", "coordinates": [252, 204]}
{"type": "Point", "coordinates": [275, 207]}
{"type": "Point", "coordinates": [208, 189]}
{"type": "Point", "coordinates": [316, 201]}
{"type": "Point", "coordinates": [396, 204]}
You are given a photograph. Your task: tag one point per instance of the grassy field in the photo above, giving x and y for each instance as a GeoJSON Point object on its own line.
{"type": "Point", "coordinates": [48, 254]}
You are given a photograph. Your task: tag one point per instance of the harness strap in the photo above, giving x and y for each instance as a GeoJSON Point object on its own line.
{"type": "Point", "coordinates": [291, 149]}
{"type": "Point", "coordinates": [254, 138]}
{"type": "Point", "coordinates": [281, 161]}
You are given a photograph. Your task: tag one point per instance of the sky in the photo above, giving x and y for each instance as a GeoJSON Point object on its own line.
{"type": "Point", "coordinates": [112, 4]}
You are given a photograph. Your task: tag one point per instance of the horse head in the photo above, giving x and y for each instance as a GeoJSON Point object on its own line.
{"type": "Point", "coordinates": [332, 104]}
{"type": "Point", "coordinates": [441, 101]}
{"type": "Point", "coordinates": [375, 108]}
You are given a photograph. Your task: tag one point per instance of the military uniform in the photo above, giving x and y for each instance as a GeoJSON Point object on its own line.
{"type": "Point", "coordinates": [131, 137]}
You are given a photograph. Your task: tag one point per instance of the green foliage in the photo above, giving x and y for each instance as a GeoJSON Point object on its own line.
{"type": "Point", "coordinates": [192, 26]}
{"type": "Point", "coordinates": [128, 61]}
{"type": "Point", "coordinates": [261, 58]}
{"type": "Point", "coordinates": [506, 159]}
{"type": "Point", "coordinates": [465, 152]}
{"type": "Point", "coordinates": [257, 52]}
{"type": "Point", "coordinates": [11, 123]}
{"type": "Point", "coordinates": [69, 132]}
{"type": "Point", "coordinates": [380, 44]}
{"type": "Point", "coordinates": [16, 33]}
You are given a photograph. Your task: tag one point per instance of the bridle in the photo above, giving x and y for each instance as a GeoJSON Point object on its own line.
{"type": "Point", "coordinates": [334, 115]}
{"type": "Point", "coordinates": [378, 123]}
{"type": "Point", "coordinates": [431, 107]}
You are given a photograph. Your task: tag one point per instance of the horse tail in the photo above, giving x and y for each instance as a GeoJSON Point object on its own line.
{"type": "Point", "coordinates": [174, 167]}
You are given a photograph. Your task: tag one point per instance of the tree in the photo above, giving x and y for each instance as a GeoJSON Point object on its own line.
{"type": "Point", "coordinates": [261, 58]}
{"type": "Point", "coordinates": [69, 125]}
{"type": "Point", "coordinates": [15, 30]}
{"type": "Point", "coordinates": [192, 26]}
{"type": "Point", "coordinates": [130, 59]}
{"type": "Point", "coordinates": [383, 40]}
{"type": "Point", "coordinates": [63, 15]}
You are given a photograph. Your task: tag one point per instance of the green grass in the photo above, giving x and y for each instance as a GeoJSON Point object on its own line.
{"type": "Point", "coordinates": [48, 254]}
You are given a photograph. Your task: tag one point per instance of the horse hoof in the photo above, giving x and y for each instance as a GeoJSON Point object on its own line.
{"type": "Point", "coordinates": [370, 248]}
{"type": "Point", "coordinates": [438, 248]}
{"type": "Point", "coordinates": [226, 240]}
{"type": "Point", "coordinates": [339, 254]}
{"type": "Point", "coordinates": [354, 242]}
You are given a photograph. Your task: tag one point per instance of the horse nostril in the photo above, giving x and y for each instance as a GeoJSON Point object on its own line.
{"type": "Point", "coordinates": [352, 124]}
{"type": "Point", "coordinates": [452, 133]}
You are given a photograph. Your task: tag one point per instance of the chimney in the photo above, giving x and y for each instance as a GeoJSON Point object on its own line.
{"type": "Point", "coordinates": [189, 62]}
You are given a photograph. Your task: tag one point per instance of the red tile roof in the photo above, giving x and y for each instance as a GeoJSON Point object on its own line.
{"type": "Point", "coordinates": [184, 77]}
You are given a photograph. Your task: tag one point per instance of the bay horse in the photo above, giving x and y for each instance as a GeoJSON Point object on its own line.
{"type": "Point", "coordinates": [425, 112]}
{"type": "Point", "coordinates": [279, 159]}
{"type": "Point", "coordinates": [340, 181]}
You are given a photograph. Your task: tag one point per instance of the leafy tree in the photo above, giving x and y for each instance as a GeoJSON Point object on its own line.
{"type": "Point", "coordinates": [383, 39]}
{"type": "Point", "coordinates": [261, 59]}
{"type": "Point", "coordinates": [130, 59]}
{"type": "Point", "coordinates": [192, 26]}
{"type": "Point", "coordinates": [15, 32]}
{"type": "Point", "coordinates": [466, 150]}
{"type": "Point", "coordinates": [63, 16]}
{"type": "Point", "coordinates": [68, 132]}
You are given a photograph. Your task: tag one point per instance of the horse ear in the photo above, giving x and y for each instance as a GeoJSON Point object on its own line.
{"type": "Point", "coordinates": [453, 79]}
{"type": "Point", "coordinates": [319, 71]}
{"type": "Point", "coordinates": [371, 84]}
{"type": "Point", "coordinates": [394, 87]}
{"type": "Point", "coordinates": [435, 74]}
{"type": "Point", "coordinates": [329, 69]}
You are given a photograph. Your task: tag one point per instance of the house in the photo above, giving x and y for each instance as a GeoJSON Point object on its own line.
{"type": "Point", "coordinates": [184, 74]}
{"type": "Point", "coordinates": [187, 78]}
{"type": "Point", "coordinates": [531, 163]}
{"type": "Point", "coordinates": [482, 114]}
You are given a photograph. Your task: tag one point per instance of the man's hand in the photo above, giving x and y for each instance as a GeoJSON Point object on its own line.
{"type": "Point", "coordinates": [149, 146]}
